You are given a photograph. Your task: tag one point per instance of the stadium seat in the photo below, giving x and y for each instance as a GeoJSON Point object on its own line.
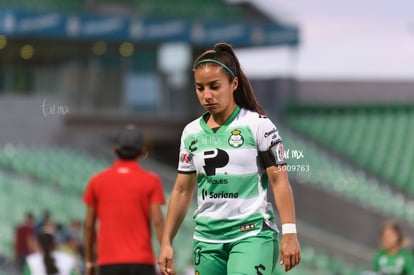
{"type": "Point", "coordinates": [33, 183]}
{"type": "Point", "coordinates": [19, 194]}
{"type": "Point", "coordinates": [63, 168]}
{"type": "Point", "coordinates": [329, 173]}
{"type": "Point", "coordinates": [376, 138]}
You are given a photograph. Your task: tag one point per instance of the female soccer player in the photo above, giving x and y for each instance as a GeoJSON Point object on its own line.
{"type": "Point", "coordinates": [392, 258]}
{"type": "Point", "coordinates": [230, 154]}
{"type": "Point", "coordinates": [50, 261]}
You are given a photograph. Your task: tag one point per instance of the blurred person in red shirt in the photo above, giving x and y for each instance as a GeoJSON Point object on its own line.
{"type": "Point", "coordinates": [24, 240]}
{"type": "Point", "coordinates": [125, 199]}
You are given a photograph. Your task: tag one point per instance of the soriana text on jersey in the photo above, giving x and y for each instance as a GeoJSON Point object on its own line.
{"type": "Point", "coordinates": [219, 195]}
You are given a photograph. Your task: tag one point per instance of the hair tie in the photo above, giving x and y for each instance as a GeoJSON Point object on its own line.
{"type": "Point", "coordinates": [217, 62]}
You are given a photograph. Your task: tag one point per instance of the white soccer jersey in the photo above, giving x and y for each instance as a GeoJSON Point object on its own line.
{"type": "Point", "coordinates": [64, 262]}
{"type": "Point", "coordinates": [232, 184]}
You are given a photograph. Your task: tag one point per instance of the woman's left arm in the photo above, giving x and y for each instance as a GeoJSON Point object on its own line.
{"type": "Point", "coordinates": [282, 192]}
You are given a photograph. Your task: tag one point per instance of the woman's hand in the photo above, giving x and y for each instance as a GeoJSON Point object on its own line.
{"type": "Point", "coordinates": [289, 251]}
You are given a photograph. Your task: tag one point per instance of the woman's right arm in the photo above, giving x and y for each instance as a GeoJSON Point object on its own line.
{"type": "Point", "coordinates": [180, 200]}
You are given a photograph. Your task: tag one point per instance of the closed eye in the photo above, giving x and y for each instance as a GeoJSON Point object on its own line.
{"type": "Point", "coordinates": [212, 85]}
{"type": "Point", "coordinates": [199, 88]}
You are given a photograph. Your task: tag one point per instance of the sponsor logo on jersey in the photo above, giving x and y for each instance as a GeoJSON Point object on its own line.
{"type": "Point", "coordinates": [218, 195]}
{"type": "Point", "coordinates": [186, 157]}
{"type": "Point", "coordinates": [214, 159]}
{"type": "Point", "coordinates": [193, 146]}
{"type": "Point", "coordinates": [217, 181]}
{"type": "Point", "coordinates": [186, 160]}
{"type": "Point", "coordinates": [236, 139]}
{"type": "Point", "coordinates": [123, 170]}
{"type": "Point", "coordinates": [247, 227]}
{"type": "Point", "coordinates": [267, 134]}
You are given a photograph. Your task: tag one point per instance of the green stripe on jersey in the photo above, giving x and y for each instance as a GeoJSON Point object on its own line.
{"type": "Point", "coordinates": [234, 138]}
{"type": "Point", "coordinates": [232, 185]}
{"type": "Point", "coordinates": [215, 230]}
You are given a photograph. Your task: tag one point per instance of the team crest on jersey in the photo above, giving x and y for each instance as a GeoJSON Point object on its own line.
{"type": "Point", "coordinates": [236, 139]}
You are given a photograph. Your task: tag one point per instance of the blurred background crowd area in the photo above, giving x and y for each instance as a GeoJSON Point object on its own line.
{"type": "Point", "coordinates": [72, 73]}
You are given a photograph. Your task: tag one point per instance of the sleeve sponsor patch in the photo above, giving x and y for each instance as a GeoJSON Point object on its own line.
{"type": "Point", "coordinates": [278, 151]}
{"type": "Point", "coordinates": [185, 163]}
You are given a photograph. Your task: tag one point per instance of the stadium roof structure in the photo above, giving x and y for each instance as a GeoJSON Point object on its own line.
{"type": "Point", "coordinates": [196, 22]}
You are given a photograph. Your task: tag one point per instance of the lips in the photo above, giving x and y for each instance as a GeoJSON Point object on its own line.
{"type": "Point", "coordinates": [209, 105]}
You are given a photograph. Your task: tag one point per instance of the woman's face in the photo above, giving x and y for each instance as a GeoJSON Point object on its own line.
{"type": "Point", "coordinates": [214, 90]}
{"type": "Point", "coordinates": [389, 238]}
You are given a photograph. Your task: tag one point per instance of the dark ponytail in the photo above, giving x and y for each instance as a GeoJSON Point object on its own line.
{"type": "Point", "coordinates": [244, 95]}
{"type": "Point", "coordinates": [46, 242]}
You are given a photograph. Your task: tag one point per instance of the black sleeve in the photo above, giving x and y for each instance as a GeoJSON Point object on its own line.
{"type": "Point", "coordinates": [275, 156]}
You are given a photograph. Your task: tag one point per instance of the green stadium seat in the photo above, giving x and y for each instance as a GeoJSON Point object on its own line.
{"type": "Point", "coordinates": [44, 186]}
{"type": "Point", "coordinates": [66, 169]}
{"type": "Point", "coordinates": [19, 194]}
{"type": "Point", "coordinates": [377, 138]}
{"type": "Point", "coordinates": [343, 129]}
{"type": "Point", "coordinates": [330, 174]}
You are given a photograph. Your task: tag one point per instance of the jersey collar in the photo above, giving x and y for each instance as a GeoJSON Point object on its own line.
{"type": "Point", "coordinates": [223, 127]}
{"type": "Point", "coordinates": [126, 163]}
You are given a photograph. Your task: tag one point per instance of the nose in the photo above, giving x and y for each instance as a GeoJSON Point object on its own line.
{"type": "Point", "coordinates": [207, 94]}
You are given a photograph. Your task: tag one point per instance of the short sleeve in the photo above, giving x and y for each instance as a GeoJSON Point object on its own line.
{"type": "Point", "coordinates": [269, 140]}
{"type": "Point", "coordinates": [185, 161]}
{"type": "Point", "coordinates": [89, 197]}
{"type": "Point", "coordinates": [157, 195]}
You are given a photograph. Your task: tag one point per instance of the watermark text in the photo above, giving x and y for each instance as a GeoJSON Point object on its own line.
{"type": "Point", "coordinates": [54, 109]}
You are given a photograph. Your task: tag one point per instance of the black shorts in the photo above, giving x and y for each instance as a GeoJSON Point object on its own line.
{"type": "Point", "coordinates": [126, 269]}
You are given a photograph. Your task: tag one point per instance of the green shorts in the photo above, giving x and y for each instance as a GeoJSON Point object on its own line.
{"type": "Point", "coordinates": [256, 255]}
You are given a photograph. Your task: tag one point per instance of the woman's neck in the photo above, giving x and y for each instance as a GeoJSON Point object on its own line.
{"type": "Point", "coordinates": [393, 250]}
{"type": "Point", "coordinates": [218, 119]}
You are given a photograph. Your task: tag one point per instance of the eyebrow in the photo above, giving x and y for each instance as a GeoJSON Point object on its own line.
{"type": "Point", "coordinates": [209, 83]}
